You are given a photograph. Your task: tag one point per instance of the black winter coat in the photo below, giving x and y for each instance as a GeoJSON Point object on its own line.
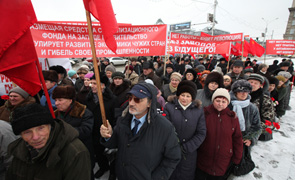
{"type": "Point", "coordinates": [190, 127]}
{"type": "Point", "coordinates": [152, 153]}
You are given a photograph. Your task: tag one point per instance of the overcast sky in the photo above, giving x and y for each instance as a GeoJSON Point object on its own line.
{"type": "Point", "coordinates": [235, 16]}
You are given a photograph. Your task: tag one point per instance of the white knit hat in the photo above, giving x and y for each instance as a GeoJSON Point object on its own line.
{"type": "Point", "coordinates": [221, 92]}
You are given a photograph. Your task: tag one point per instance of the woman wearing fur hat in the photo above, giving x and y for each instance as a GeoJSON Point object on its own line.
{"type": "Point", "coordinates": [223, 129]}
{"type": "Point", "coordinates": [171, 88]}
{"type": "Point", "coordinates": [213, 81]}
{"type": "Point", "coordinates": [191, 74]}
{"type": "Point", "coordinates": [75, 114]}
{"type": "Point", "coordinates": [187, 116]}
{"type": "Point", "coordinates": [131, 75]}
{"type": "Point", "coordinates": [17, 98]}
{"type": "Point", "coordinates": [247, 112]}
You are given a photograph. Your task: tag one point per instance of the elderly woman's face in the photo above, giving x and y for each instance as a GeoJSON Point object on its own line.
{"type": "Point", "coordinates": [15, 98]}
{"type": "Point", "coordinates": [220, 103]}
{"type": "Point", "coordinates": [189, 76]}
{"type": "Point", "coordinates": [241, 96]}
{"type": "Point", "coordinates": [185, 98]}
{"type": "Point", "coordinates": [174, 82]}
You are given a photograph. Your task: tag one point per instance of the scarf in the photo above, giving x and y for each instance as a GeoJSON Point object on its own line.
{"type": "Point", "coordinates": [184, 107]}
{"type": "Point", "coordinates": [237, 107]}
{"type": "Point", "coordinates": [172, 89]}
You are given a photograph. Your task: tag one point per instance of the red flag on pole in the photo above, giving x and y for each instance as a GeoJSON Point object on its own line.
{"type": "Point", "coordinates": [103, 11]}
{"type": "Point", "coordinates": [17, 51]}
{"type": "Point", "coordinates": [256, 48]}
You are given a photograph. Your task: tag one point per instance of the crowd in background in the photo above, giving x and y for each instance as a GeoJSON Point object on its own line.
{"type": "Point", "coordinates": [218, 108]}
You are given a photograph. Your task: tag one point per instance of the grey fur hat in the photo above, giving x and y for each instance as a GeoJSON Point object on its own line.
{"type": "Point", "coordinates": [241, 86]}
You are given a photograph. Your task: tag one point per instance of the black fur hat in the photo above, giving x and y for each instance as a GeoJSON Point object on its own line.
{"type": "Point", "coordinates": [59, 69]}
{"type": "Point", "coordinates": [273, 80]}
{"type": "Point", "coordinates": [67, 92]}
{"type": "Point", "coordinates": [191, 71]}
{"type": "Point", "coordinates": [29, 116]}
{"type": "Point", "coordinates": [241, 86]}
{"type": "Point", "coordinates": [215, 77]}
{"type": "Point", "coordinates": [187, 86]}
{"type": "Point", "coordinates": [50, 75]}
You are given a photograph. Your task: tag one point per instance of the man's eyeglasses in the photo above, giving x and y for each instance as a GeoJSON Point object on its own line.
{"type": "Point", "coordinates": [135, 99]}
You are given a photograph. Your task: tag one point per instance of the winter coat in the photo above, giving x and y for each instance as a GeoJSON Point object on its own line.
{"type": "Point", "coordinates": [223, 143]}
{"type": "Point", "coordinates": [64, 157]}
{"type": "Point", "coordinates": [152, 153]}
{"type": "Point", "coordinates": [205, 96]}
{"type": "Point", "coordinates": [79, 84]}
{"type": "Point", "coordinates": [166, 91]}
{"type": "Point", "coordinates": [264, 105]}
{"type": "Point", "coordinates": [6, 137]}
{"type": "Point", "coordinates": [133, 77]}
{"type": "Point", "coordinates": [156, 79]}
{"type": "Point", "coordinates": [109, 105]}
{"type": "Point", "coordinates": [79, 117]}
{"type": "Point", "coordinates": [282, 93]}
{"type": "Point", "coordinates": [137, 68]}
{"type": "Point", "coordinates": [7, 109]}
{"type": "Point", "coordinates": [190, 127]}
{"type": "Point", "coordinates": [252, 120]}
{"type": "Point", "coordinates": [120, 92]}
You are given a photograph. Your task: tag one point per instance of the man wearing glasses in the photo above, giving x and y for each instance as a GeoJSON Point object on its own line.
{"type": "Point", "coordinates": [147, 143]}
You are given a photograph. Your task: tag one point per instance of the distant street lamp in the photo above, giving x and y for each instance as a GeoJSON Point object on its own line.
{"type": "Point", "coordinates": [264, 40]}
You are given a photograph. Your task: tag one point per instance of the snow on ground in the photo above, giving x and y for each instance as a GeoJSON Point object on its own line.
{"type": "Point", "coordinates": [275, 159]}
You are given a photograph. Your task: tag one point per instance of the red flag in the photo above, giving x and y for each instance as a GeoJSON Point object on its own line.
{"type": "Point", "coordinates": [235, 50]}
{"type": "Point", "coordinates": [205, 34]}
{"type": "Point", "coordinates": [239, 47]}
{"type": "Point", "coordinates": [17, 51]}
{"type": "Point", "coordinates": [247, 49]}
{"type": "Point", "coordinates": [103, 11]}
{"type": "Point", "coordinates": [256, 48]}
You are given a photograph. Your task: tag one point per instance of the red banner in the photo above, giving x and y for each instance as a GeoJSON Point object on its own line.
{"type": "Point", "coordinates": [65, 41]}
{"type": "Point", "coordinates": [190, 44]}
{"type": "Point", "coordinates": [280, 47]}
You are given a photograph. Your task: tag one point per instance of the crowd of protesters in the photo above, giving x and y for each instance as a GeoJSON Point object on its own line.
{"type": "Point", "coordinates": [186, 119]}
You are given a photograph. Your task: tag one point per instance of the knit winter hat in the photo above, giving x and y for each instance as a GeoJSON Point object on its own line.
{"type": "Point", "coordinates": [286, 74]}
{"type": "Point", "coordinates": [71, 73]}
{"type": "Point", "coordinates": [19, 91]}
{"type": "Point", "coordinates": [50, 75]}
{"type": "Point", "coordinates": [82, 70]}
{"type": "Point", "coordinates": [130, 68]}
{"type": "Point", "coordinates": [88, 75]}
{"type": "Point", "coordinates": [281, 78]}
{"type": "Point", "coordinates": [29, 116]}
{"type": "Point", "coordinates": [110, 68]}
{"type": "Point", "coordinates": [201, 68]}
{"type": "Point", "coordinates": [221, 92]}
{"type": "Point", "coordinates": [257, 77]}
{"type": "Point", "coordinates": [248, 69]}
{"type": "Point", "coordinates": [67, 92]}
{"type": "Point", "coordinates": [188, 66]}
{"type": "Point", "coordinates": [241, 86]}
{"type": "Point", "coordinates": [118, 74]}
{"type": "Point", "coordinates": [188, 87]}
{"type": "Point", "coordinates": [176, 75]}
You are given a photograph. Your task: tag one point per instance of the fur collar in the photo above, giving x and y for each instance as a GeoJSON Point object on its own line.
{"type": "Point", "coordinates": [77, 110]}
{"type": "Point", "coordinates": [174, 100]}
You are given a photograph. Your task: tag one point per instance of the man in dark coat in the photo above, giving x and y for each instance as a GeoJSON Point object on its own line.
{"type": "Point", "coordinates": [147, 143]}
{"type": "Point", "coordinates": [274, 66]}
{"type": "Point", "coordinates": [47, 149]}
{"type": "Point", "coordinates": [148, 73]}
{"type": "Point", "coordinates": [237, 71]}
{"type": "Point", "coordinates": [93, 104]}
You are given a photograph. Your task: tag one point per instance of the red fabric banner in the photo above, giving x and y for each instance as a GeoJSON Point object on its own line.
{"type": "Point", "coordinates": [103, 11]}
{"type": "Point", "coordinates": [65, 41]}
{"type": "Point", "coordinates": [286, 47]}
{"type": "Point", "coordinates": [17, 52]}
{"type": "Point", "coordinates": [190, 44]}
